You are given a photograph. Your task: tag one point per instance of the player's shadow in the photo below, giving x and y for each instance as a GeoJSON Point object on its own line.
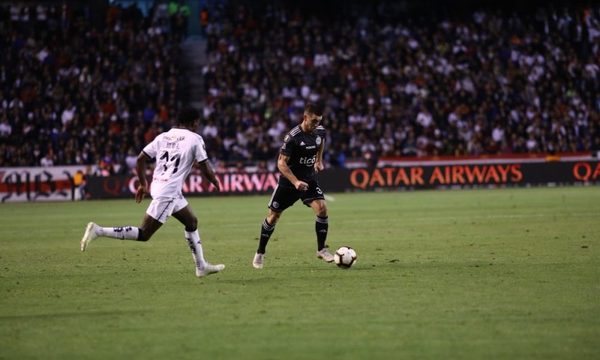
{"type": "Point", "coordinates": [387, 264]}
{"type": "Point", "coordinates": [248, 280]}
{"type": "Point", "coordinates": [357, 267]}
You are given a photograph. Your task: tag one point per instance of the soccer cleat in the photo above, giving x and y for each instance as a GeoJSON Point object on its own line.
{"type": "Point", "coordinates": [89, 235]}
{"type": "Point", "coordinates": [325, 255]}
{"type": "Point", "coordinates": [258, 261]}
{"type": "Point", "coordinates": [209, 269]}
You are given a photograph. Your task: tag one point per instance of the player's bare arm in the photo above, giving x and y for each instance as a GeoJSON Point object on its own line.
{"type": "Point", "coordinates": [319, 166]}
{"type": "Point", "coordinates": [142, 188]}
{"type": "Point", "coordinates": [209, 173]}
{"type": "Point", "coordinates": [282, 164]}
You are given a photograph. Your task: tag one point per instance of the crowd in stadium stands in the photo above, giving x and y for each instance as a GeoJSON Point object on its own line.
{"type": "Point", "coordinates": [486, 82]}
{"type": "Point", "coordinates": [76, 93]}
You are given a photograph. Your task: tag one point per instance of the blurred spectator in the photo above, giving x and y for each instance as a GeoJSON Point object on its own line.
{"type": "Point", "coordinates": [395, 84]}
{"type": "Point", "coordinates": [79, 182]}
{"type": "Point", "coordinates": [67, 83]}
{"type": "Point", "coordinates": [475, 83]}
{"type": "Point", "coordinates": [47, 160]}
{"type": "Point", "coordinates": [131, 160]}
{"type": "Point", "coordinates": [105, 166]}
{"type": "Point", "coordinates": [204, 18]}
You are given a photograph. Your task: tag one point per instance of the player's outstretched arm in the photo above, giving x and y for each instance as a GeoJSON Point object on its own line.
{"type": "Point", "coordinates": [140, 168]}
{"type": "Point", "coordinates": [209, 173]}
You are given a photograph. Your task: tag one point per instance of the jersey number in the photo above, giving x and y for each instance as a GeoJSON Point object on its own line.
{"type": "Point", "coordinates": [167, 162]}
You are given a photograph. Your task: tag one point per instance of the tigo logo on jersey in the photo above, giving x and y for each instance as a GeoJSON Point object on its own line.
{"type": "Point", "coordinates": [308, 161]}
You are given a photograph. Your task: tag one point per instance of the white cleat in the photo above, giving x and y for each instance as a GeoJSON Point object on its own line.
{"type": "Point", "coordinates": [89, 235]}
{"type": "Point", "coordinates": [258, 261]}
{"type": "Point", "coordinates": [325, 255]}
{"type": "Point", "coordinates": [209, 269]}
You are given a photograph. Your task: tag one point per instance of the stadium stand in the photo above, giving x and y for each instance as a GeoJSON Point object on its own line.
{"type": "Point", "coordinates": [76, 93]}
{"type": "Point", "coordinates": [485, 82]}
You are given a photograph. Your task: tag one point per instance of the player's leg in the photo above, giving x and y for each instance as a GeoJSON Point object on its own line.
{"type": "Point", "coordinates": [315, 198]}
{"type": "Point", "coordinates": [186, 216]}
{"type": "Point", "coordinates": [321, 229]}
{"type": "Point", "coordinates": [149, 226]}
{"type": "Point", "coordinates": [157, 213]}
{"type": "Point", "coordinates": [281, 199]}
{"type": "Point", "coordinates": [142, 233]}
{"type": "Point", "coordinates": [266, 230]}
{"type": "Point", "coordinates": [321, 222]}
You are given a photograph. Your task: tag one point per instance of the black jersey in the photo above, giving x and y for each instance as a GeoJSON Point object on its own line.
{"type": "Point", "coordinates": [302, 148]}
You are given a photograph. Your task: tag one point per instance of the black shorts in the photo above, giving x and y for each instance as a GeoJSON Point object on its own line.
{"type": "Point", "coordinates": [283, 197]}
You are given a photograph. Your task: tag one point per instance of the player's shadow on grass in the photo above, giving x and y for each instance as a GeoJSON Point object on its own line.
{"type": "Point", "coordinates": [395, 263]}
{"type": "Point", "coordinates": [249, 280]}
{"type": "Point", "coordinates": [365, 267]}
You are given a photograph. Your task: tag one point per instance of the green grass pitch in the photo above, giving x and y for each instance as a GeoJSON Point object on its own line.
{"type": "Point", "coordinates": [474, 274]}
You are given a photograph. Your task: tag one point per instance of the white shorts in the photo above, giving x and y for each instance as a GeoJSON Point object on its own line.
{"type": "Point", "coordinates": [161, 208]}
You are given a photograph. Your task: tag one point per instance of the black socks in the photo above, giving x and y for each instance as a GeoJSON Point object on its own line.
{"type": "Point", "coordinates": [321, 227]}
{"type": "Point", "coordinates": [265, 234]}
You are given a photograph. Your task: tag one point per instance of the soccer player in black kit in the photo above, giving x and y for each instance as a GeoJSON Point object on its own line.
{"type": "Point", "coordinates": [300, 157]}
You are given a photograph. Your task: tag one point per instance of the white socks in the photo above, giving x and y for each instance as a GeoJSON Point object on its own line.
{"type": "Point", "coordinates": [193, 239]}
{"type": "Point", "coordinates": [126, 232]}
{"type": "Point", "coordinates": [131, 233]}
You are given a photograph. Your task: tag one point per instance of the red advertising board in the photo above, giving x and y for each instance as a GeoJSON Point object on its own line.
{"type": "Point", "coordinates": [441, 175]}
{"type": "Point", "coordinates": [195, 184]}
{"type": "Point", "coordinates": [56, 183]}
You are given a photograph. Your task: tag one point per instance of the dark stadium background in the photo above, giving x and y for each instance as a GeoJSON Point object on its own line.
{"type": "Point", "coordinates": [86, 84]}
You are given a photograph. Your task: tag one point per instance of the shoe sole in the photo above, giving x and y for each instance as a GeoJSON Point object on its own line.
{"type": "Point", "coordinates": [203, 274]}
{"type": "Point", "coordinates": [257, 266]}
{"type": "Point", "coordinates": [84, 242]}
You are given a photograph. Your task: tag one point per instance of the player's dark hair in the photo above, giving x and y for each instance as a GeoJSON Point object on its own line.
{"type": "Point", "coordinates": [314, 108]}
{"type": "Point", "coordinates": [187, 116]}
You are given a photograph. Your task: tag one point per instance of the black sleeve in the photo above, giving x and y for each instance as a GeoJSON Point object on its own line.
{"type": "Point", "coordinates": [288, 146]}
{"type": "Point", "coordinates": [322, 133]}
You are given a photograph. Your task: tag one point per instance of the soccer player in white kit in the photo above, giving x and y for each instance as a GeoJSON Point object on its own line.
{"type": "Point", "coordinates": [176, 152]}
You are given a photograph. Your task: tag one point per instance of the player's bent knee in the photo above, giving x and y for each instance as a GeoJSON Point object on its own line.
{"type": "Point", "coordinates": [321, 209]}
{"type": "Point", "coordinates": [143, 235]}
{"type": "Point", "coordinates": [273, 217]}
{"type": "Point", "coordinates": [192, 224]}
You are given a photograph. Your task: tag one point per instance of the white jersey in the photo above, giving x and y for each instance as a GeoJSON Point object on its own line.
{"type": "Point", "coordinates": [175, 151]}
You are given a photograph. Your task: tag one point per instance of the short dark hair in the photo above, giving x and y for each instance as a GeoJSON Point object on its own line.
{"type": "Point", "coordinates": [314, 108]}
{"type": "Point", "coordinates": [188, 116]}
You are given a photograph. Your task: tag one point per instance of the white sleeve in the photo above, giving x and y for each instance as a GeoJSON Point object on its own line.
{"type": "Point", "coordinates": [152, 149]}
{"type": "Point", "coordinates": [200, 154]}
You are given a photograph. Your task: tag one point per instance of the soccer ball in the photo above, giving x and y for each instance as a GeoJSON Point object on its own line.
{"type": "Point", "coordinates": [345, 257]}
